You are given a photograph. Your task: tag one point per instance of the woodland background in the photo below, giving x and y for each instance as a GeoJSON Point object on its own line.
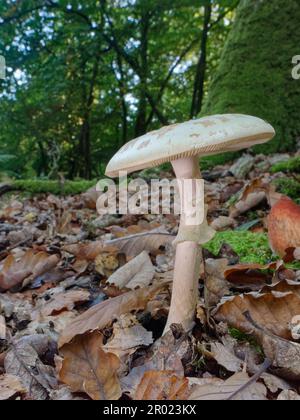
{"type": "Point", "coordinates": [83, 78]}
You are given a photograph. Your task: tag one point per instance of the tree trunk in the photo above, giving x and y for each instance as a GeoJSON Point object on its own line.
{"type": "Point", "coordinates": [141, 120]}
{"type": "Point", "coordinates": [201, 65]}
{"type": "Point", "coordinates": [255, 72]}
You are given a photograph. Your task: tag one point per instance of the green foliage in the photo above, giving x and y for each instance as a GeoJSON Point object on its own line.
{"type": "Point", "coordinates": [291, 165]}
{"type": "Point", "coordinates": [288, 186]}
{"type": "Point", "coordinates": [250, 247]}
{"type": "Point", "coordinates": [53, 187]}
{"type": "Point", "coordinates": [85, 77]}
{"type": "Point", "coordinates": [254, 75]}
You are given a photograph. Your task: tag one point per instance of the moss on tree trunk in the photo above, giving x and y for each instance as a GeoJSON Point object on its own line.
{"type": "Point", "coordinates": [255, 74]}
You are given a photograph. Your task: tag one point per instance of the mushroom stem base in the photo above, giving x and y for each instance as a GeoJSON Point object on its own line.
{"type": "Point", "coordinates": [185, 285]}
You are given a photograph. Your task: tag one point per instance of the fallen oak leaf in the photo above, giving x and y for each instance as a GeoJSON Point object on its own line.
{"type": "Point", "coordinates": [162, 385]}
{"type": "Point", "coordinates": [86, 367]}
{"type": "Point", "coordinates": [10, 386]}
{"type": "Point", "coordinates": [62, 301]}
{"type": "Point", "coordinates": [31, 264]}
{"type": "Point", "coordinates": [253, 276]}
{"type": "Point", "coordinates": [133, 245]}
{"type": "Point", "coordinates": [89, 251]}
{"type": "Point", "coordinates": [103, 314]}
{"type": "Point", "coordinates": [138, 272]}
{"type": "Point", "coordinates": [237, 387]}
{"type": "Point", "coordinates": [272, 310]}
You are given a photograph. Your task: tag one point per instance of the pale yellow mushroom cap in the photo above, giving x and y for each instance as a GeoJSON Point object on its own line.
{"type": "Point", "coordinates": [205, 136]}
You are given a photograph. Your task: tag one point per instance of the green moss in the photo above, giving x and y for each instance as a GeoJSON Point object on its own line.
{"type": "Point", "coordinates": [53, 187]}
{"type": "Point", "coordinates": [246, 338]}
{"type": "Point", "coordinates": [254, 76]}
{"type": "Point", "coordinates": [291, 165]}
{"type": "Point", "coordinates": [288, 186]}
{"type": "Point", "coordinates": [250, 247]}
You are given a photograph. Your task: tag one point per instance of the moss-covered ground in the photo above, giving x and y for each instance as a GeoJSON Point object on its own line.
{"type": "Point", "coordinates": [250, 247]}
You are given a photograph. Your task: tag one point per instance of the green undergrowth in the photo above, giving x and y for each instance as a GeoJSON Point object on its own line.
{"type": "Point", "coordinates": [53, 187]}
{"type": "Point", "coordinates": [288, 186]}
{"type": "Point", "coordinates": [291, 165]}
{"type": "Point", "coordinates": [250, 247]}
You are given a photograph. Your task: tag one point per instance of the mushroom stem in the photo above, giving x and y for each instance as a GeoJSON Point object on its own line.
{"type": "Point", "coordinates": [188, 255]}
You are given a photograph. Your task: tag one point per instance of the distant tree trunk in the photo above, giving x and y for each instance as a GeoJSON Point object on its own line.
{"type": "Point", "coordinates": [141, 120]}
{"type": "Point", "coordinates": [85, 132]}
{"type": "Point", "coordinates": [255, 72]}
{"type": "Point", "coordinates": [122, 90]}
{"type": "Point", "coordinates": [198, 92]}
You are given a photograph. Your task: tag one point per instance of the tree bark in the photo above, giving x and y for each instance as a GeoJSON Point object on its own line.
{"type": "Point", "coordinates": [198, 92]}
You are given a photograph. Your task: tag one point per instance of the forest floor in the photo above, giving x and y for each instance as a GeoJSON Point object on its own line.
{"type": "Point", "coordinates": [85, 298]}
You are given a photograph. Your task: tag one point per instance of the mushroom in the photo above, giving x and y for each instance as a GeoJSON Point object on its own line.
{"type": "Point", "coordinates": [182, 145]}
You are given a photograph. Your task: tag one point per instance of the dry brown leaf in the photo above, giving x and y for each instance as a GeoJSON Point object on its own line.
{"type": "Point", "coordinates": [225, 357]}
{"type": "Point", "coordinates": [272, 311]}
{"type": "Point", "coordinates": [128, 335]}
{"type": "Point", "coordinates": [22, 360]}
{"type": "Point", "coordinates": [138, 272]}
{"type": "Point", "coordinates": [166, 353]}
{"type": "Point", "coordinates": [216, 286]}
{"type": "Point", "coordinates": [253, 194]}
{"type": "Point", "coordinates": [146, 241]}
{"type": "Point", "coordinates": [227, 389]}
{"type": "Point", "coordinates": [14, 272]}
{"type": "Point", "coordinates": [250, 276]}
{"type": "Point", "coordinates": [88, 368]}
{"type": "Point", "coordinates": [62, 301]}
{"type": "Point", "coordinates": [288, 395]}
{"type": "Point", "coordinates": [103, 314]}
{"type": "Point", "coordinates": [274, 383]}
{"type": "Point", "coordinates": [222, 223]}
{"type": "Point", "coordinates": [10, 386]}
{"type": "Point", "coordinates": [162, 385]}
{"type": "Point", "coordinates": [89, 251]}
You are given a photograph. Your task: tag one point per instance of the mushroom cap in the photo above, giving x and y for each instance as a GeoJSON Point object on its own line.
{"type": "Point", "coordinates": [202, 137]}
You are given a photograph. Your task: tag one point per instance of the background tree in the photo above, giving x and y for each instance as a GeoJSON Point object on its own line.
{"type": "Point", "coordinates": [254, 75]}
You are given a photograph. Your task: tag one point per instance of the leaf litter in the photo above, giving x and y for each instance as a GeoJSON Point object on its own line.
{"type": "Point", "coordinates": [83, 305]}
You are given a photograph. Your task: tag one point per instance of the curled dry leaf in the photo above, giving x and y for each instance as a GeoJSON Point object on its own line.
{"type": "Point", "coordinates": [222, 223]}
{"type": "Point", "coordinates": [86, 367]}
{"type": "Point", "coordinates": [128, 335]}
{"type": "Point", "coordinates": [284, 226]}
{"type": "Point", "coordinates": [16, 271]}
{"type": "Point", "coordinates": [250, 276]}
{"type": "Point", "coordinates": [103, 314]}
{"type": "Point", "coordinates": [10, 386]}
{"type": "Point", "coordinates": [232, 388]}
{"type": "Point", "coordinates": [273, 311]}
{"type": "Point", "coordinates": [62, 301]}
{"type": "Point", "coordinates": [146, 241]}
{"type": "Point", "coordinates": [138, 272]}
{"type": "Point", "coordinates": [253, 194]}
{"type": "Point", "coordinates": [162, 385]}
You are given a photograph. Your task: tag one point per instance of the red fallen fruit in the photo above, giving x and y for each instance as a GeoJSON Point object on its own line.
{"type": "Point", "coordinates": [284, 226]}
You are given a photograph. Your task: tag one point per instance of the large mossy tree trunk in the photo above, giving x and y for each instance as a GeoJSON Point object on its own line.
{"type": "Point", "coordinates": [255, 74]}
